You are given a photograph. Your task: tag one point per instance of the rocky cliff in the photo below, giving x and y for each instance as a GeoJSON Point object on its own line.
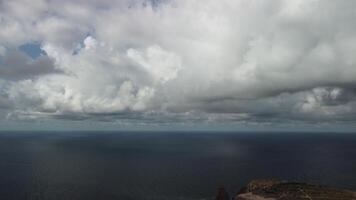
{"type": "Point", "coordinates": [278, 190]}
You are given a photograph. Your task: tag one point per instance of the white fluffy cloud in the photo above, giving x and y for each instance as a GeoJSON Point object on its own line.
{"type": "Point", "coordinates": [234, 60]}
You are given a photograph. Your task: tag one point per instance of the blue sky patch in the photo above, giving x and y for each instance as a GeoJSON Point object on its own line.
{"type": "Point", "coordinates": [32, 49]}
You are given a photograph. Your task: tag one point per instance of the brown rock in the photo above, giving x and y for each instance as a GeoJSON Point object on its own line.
{"type": "Point", "coordinates": [222, 194]}
{"type": "Point", "coordinates": [273, 190]}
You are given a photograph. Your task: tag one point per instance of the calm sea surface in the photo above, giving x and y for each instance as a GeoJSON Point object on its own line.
{"type": "Point", "coordinates": [165, 165]}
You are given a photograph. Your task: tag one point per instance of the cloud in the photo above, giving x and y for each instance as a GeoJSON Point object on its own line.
{"type": "Point", "coordinates": [16, 65]}
{"type": "Point", "coordinates": [243, 60]}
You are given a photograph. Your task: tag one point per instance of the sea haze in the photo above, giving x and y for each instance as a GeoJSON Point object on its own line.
{"type": "Point", "coordinates": [166, 165]}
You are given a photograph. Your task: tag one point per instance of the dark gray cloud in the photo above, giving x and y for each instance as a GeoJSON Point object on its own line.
{"type": "Point", "coordinates": [16, 65]}
{"type": "Point", "coordinates": [4, 102]}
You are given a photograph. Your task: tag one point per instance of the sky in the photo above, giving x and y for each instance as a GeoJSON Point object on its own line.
{"type": "Point", "coordinates": [178, 65]}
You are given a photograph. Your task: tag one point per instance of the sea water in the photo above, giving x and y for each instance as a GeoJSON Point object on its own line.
{"type": "Point", "coordinates": [166, 165]}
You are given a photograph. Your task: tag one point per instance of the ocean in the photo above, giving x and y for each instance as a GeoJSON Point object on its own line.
{"type": "Point", "coordinates": [166, 165]}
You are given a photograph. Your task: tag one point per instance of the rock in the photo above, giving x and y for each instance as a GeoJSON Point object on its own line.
{"type": "Point", "coordinates": [273, 190]}
{"type": "Point", "coordinates": [222, 194]}
{"type": "Point", "coordinates": [260, 185]}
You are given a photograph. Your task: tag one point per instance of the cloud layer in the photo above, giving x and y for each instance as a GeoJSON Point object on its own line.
{"type": "Point", "coordinates": [163, 61]}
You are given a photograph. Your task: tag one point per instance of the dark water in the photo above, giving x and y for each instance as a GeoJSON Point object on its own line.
{"type": "Point", "coordinates": [120, 166]}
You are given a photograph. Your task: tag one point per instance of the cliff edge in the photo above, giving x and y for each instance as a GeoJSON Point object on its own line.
{"type": "Point", "coordinates": [279, 190]}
